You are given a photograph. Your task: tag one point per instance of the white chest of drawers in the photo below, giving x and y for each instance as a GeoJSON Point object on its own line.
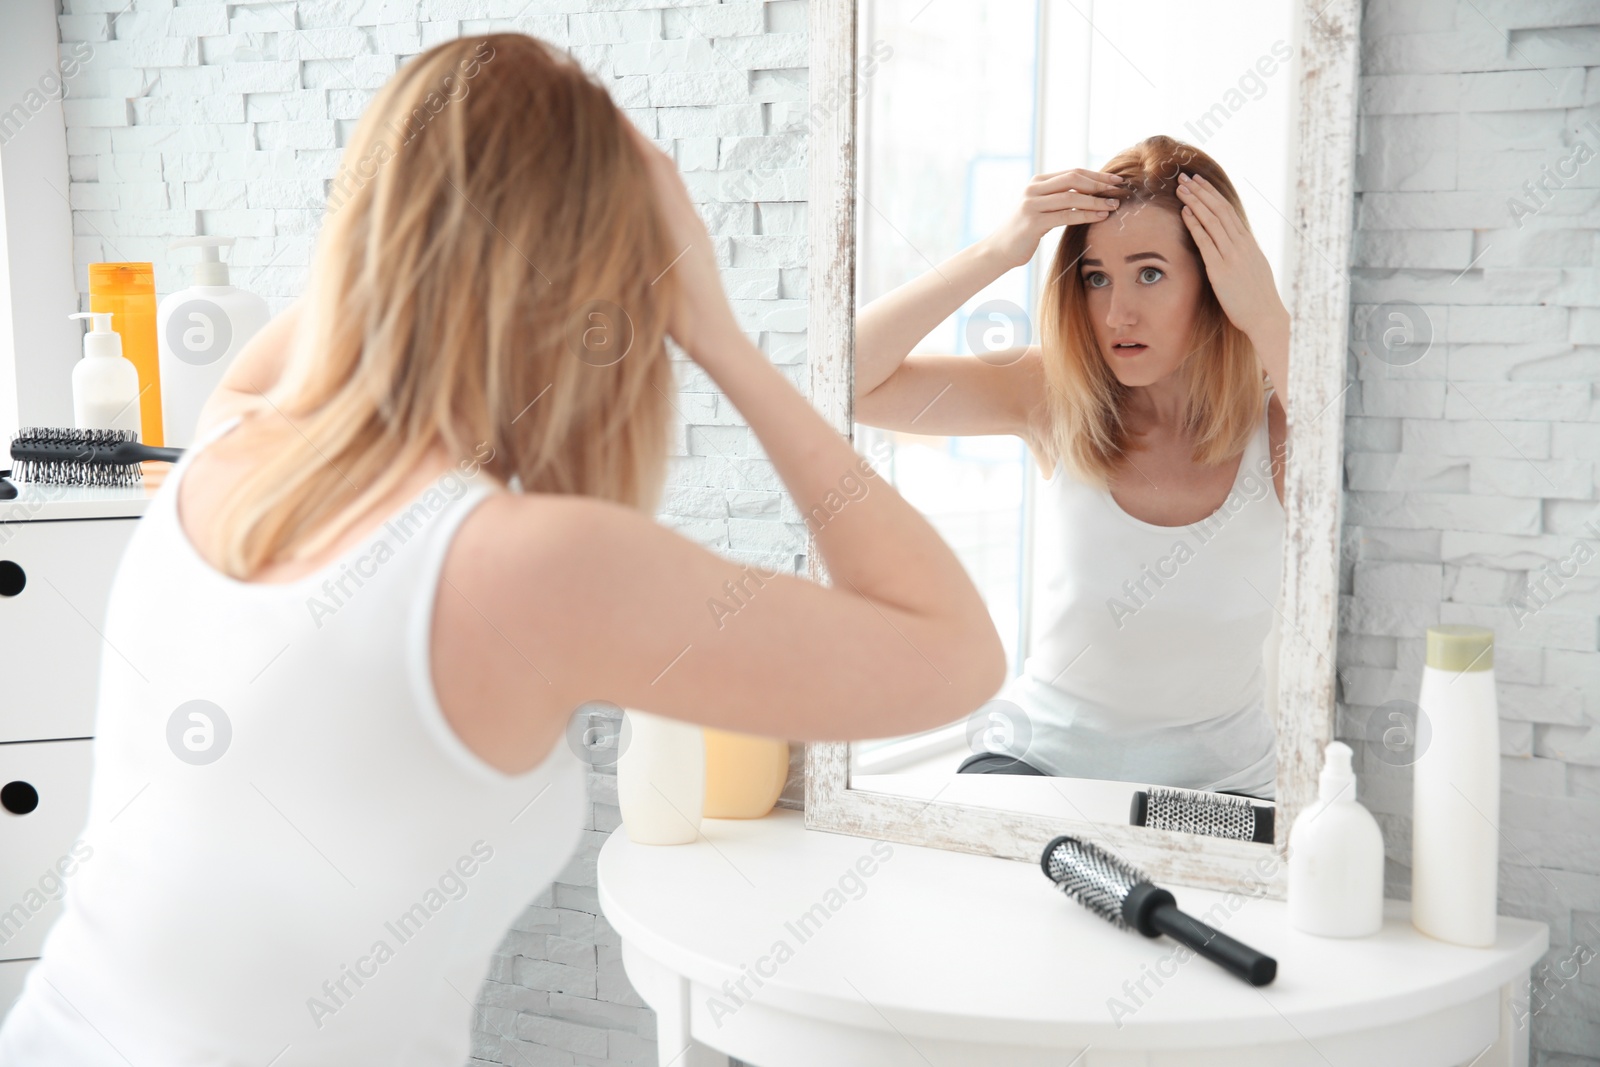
{"type": "Point", "coordinates": [59, 549]}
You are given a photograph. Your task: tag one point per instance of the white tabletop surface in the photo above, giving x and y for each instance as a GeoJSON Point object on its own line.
{"type": "Point", "coordinates": [954, 945]}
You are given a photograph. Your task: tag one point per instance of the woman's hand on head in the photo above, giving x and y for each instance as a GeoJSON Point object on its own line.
{"type": "Point", "coordinates": [1235, 265]}
{"type": "Point", "coordinates": [701, 320]}
{"type": "Point", "coordinates": [1063, 198]}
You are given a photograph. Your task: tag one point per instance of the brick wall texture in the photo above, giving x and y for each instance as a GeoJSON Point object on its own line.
{"type": "Point", "coordinates": [1472, 432]}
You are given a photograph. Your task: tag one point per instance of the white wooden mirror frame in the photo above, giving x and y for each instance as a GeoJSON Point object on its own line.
{"type": "Point", "coordinates": [1327, 44]}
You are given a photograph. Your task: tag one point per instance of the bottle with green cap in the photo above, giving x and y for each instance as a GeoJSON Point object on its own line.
{"type": "Point", "coordinates": [1455, 810]}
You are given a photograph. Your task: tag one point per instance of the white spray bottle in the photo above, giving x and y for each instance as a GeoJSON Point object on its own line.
{"type": "Point", "coordinates": [199, 330]}
{"type": "Point", "coordinates": [105, 384]}
{"type": "Point", "coordinates": [1336, 857]}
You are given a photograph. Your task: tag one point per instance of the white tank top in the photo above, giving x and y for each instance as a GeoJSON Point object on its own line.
{"type": "Point", "coordinates": [328, 890]}
{"type": "Point", "coordinates": [1146, 659]}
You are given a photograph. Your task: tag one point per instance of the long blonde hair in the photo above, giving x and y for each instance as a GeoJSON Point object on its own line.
{"type": "Point", "coordinates": [490, 277]}
{"type": "Point", "coordinates": [1224, 381]}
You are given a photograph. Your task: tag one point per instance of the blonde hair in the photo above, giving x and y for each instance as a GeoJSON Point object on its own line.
{"type": "Point", "coordinates": [1224, 381]}
{"type": "Point", "coordinates": [489, 278]}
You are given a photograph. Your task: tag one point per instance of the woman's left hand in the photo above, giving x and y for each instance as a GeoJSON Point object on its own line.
{"type": "Point", "coordinates": [1236, 266]}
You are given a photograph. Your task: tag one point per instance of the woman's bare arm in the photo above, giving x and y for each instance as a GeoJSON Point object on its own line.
{"type": "Point", "coordinates": [587, 600]}
{"type": "Point", "coordinates": [965, 395]}
{"type": "Point", "coordinates": [255, 370]}
{"type": "Point", "coordinates": [583, 600]}
{"type": "Point", "coordinates": [1240, 276]}
{"type": "Point", "coordinates": [889, 327]}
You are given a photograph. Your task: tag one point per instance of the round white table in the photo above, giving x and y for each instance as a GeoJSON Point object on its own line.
{"type": "Point", "coordinates": [789, 947]}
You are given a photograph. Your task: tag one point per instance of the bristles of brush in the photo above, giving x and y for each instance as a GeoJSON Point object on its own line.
{"type": "Point", "coordinates": [1212, 814]}
{"type": "Point", "coordinates": [1095, 878]}
{"type": "Point", "coordinates": [73, 471]}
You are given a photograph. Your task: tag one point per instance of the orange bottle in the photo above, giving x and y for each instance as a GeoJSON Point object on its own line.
{"type": "Point", "coordinates": [128, 291]}
{"type": "Point", "coordinates": [744, 774]}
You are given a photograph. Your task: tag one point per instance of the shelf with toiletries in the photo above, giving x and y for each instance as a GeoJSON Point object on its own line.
{"type": "Point", "coordinates": [149, 366]}
{"type": "Point", "coordinates": [67, 510]}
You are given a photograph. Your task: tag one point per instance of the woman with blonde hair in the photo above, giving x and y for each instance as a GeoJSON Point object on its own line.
{"type": "Point", "coordinates": [414, 534]}
{"type": "Point", "coordinates": [1153, 402]}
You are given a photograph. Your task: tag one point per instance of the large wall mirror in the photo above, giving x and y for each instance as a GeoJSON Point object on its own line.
{"type": "Point", "coordinates": [1041, 380]}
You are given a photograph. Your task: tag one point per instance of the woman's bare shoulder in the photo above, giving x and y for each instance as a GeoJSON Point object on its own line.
{"type": "Point", "coordinates": [512, 529]}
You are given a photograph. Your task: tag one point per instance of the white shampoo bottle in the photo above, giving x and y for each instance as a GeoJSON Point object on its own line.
{"type": "Point", "coordinates": [661, 778]}
{"type": "Point", "coordinates": [1336, 857]}
{"type": "Point", "coordinates": [198, 332]}
{"type": "Point", "coordinates": [105, 384]}
{"type": "Point", "coordinates": [1455, 806]}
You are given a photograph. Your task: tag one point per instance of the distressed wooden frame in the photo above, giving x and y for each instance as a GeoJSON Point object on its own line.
{"type": "Point", "coordinates": [1327, 50]}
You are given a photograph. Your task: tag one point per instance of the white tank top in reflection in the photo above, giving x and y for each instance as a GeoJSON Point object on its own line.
{"type": "Point", "coordinates": [1147, 654]}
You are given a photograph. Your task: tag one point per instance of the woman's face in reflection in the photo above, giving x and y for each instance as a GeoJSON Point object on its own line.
{"type": "Point", "coordinates": [1141, 284]}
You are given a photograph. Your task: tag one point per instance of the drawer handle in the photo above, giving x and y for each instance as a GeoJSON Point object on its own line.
{"type": "Point", "coordinates": [12, 579]}
{"type": "Point", "coordinates": [19, 798]}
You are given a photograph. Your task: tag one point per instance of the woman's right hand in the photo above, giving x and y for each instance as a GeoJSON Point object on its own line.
{"type": "Point", "coordinates": [701, 321]}
{"type": "Point", "coordinates": [1064, 198]}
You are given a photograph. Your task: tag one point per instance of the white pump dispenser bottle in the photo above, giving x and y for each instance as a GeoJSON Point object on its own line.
{"type": "Point", "coordinates": [1336, 857]}
{"type": "Point", "coordinates": [198, 332]}
{"type": "Point", "coordinates": [105, 385]}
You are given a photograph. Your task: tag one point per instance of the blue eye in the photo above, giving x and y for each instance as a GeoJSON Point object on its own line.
{"type": "Point", "coordinates": [1153, 270]}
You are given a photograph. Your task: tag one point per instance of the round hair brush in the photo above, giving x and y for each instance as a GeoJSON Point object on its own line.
{"type": "Point", "coordinates": [53, 455]}
{"type": "Point", "coordinates": [1122, 895]}
{"type": "Point", "coordinates": [1193, 812]}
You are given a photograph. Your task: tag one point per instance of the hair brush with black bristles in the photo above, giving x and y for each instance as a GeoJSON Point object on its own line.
{"type": "Point", "coordinates": [1121, 894]}
{"type": "Point", "coordinates": [54, 455]}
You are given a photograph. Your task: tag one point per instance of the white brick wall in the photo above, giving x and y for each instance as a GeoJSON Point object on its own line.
{"type": "Point", "coordinates": [1470, 470]}
{"type": "Point", "coordinates": [1467, 471]}
{"type": "Point", "coordinates": [228, 118]}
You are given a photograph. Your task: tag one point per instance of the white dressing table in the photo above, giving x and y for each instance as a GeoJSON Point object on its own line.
{"type": "Point", "coordinates": [927, 958]}
{"type": "Point", "coordinates": [59, 550]}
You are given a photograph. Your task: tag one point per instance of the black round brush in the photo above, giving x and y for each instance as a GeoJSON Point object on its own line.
{"type": "Point", "coordinates": [1120, 893]}
{"type": "Point", "coordinates": [54, 455]}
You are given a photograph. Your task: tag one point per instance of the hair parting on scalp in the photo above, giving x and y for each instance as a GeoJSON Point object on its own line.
{"type": "Point", "coordinates": [1083, 405]}
{"type": "Point", "coordinates": [490, 214]}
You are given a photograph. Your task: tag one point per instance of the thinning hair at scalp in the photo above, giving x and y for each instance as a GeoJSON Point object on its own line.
{"type": "Point", "coordinates": [1222, 381]}
{"type": "Point", "coordinates": [493, 223]}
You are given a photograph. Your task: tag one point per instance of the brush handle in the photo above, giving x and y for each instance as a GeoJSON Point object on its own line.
{"type": "Point", "coordinates": [1152, 910]}
{"type": "Point", "coordinates": [1253, 966]}
{"type": "Point", "coordinates": [138, 453]}
{"type": "Point", "coordinates": [120, 454]}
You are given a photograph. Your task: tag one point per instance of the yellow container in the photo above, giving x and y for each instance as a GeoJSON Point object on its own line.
{"type": "Point", "coordinates": [744, 774]}
{"type": "Point", "coordinates": [128, 291]}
